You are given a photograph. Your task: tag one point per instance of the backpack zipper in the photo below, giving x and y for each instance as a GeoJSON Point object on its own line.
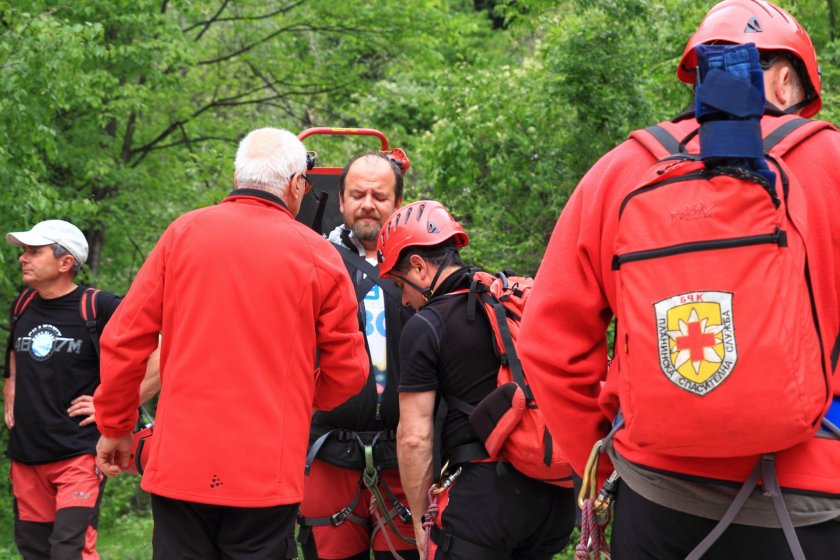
{"type": "Point", "coordinates": [737, 172]}
{"type": "Point", "coordinates": [778, 237]}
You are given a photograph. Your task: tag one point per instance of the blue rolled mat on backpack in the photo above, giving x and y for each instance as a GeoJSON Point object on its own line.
{"type": "Point", "coordinates": [729, 105]}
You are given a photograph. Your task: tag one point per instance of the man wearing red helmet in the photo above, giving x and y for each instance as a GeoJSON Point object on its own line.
{"type": "Point", "coordinates": [476, 512]}
{"type": "Point", "coordinates": [665, 505]}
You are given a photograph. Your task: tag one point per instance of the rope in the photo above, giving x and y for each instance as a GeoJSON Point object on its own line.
{"type": "Point", "coordinates": [380, 526]}
{"type": "Point", "coordinates": [593, 539]}
{"type": "Point", "coordinates": [429, 519]}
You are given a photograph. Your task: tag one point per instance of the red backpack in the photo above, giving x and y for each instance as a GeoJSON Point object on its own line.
{"type": "Point", "coordinates": [508, 420]}
{"type": "Point", "coordinates": [718, 348]}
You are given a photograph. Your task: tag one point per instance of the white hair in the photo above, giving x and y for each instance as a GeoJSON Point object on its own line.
{"type": "Point", "coordinates": [267, 158]}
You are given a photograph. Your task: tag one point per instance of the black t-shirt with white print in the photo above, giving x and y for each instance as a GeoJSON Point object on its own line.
{"type": "Point", "coordinates": [55, 362]}
{"type": "Point", "coordinates": [440, 350]}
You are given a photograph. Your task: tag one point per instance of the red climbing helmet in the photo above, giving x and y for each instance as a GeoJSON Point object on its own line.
{"type": "Point", "coordinates": [770, 28]}
{"type": "Point", "coordinates": [423, 223]}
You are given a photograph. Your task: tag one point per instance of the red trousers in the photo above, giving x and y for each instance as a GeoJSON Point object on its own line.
{"type": "Point", "coordinates": [327, 490]}
{"type": "Point", "coordinates": [57, 508]}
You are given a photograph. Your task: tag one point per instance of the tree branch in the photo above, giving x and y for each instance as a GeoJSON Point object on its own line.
{"type": "Point", "coordinates": [216, 19]}
{"type": "Point", "coordinates": [189, 141]}
{"type": "Point", "coordinates": [210, 21]}
{"type": "Point", "coordinates": [293, 28]}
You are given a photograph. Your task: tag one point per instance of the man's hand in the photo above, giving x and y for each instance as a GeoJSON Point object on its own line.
{"type": "Point", "coordinates": [420, 538]}
{"type": "Point", "coordinates": [112, 455]}
{"type": "Point", "coordinates": [83, 406]}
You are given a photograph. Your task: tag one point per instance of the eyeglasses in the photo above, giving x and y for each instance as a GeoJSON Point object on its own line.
{"type": "Point", "coordinates": [307, 183]}
{"type": "Point", "coordinates": [766, 63]}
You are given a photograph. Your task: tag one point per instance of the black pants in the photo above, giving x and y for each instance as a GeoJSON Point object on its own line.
{"type": "Point", "coordinates": [508, 516]}
{"type": "Point", "coordinates": [643, 530]}
{"type": "Point", "coordinates": [192, 531]}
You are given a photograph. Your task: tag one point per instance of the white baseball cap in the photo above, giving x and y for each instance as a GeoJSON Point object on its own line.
{"type": "Point", "coordinates": [53, 231]}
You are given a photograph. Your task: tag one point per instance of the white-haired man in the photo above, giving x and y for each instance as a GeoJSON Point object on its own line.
{"type": "Point", "coordinates": [245, 298]}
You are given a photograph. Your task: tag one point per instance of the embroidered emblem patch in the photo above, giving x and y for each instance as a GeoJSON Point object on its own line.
{"type": "Point", "coordinates": [697, 349]}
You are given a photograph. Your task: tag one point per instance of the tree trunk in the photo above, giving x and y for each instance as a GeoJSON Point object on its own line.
{"type": "Point", "coordinates": [95, 238]}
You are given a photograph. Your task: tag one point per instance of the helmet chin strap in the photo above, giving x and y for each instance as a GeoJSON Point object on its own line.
{"type": "Point", "coordinates": [427, 293]}
{"type": "Point", "coordinates": [797, 106]}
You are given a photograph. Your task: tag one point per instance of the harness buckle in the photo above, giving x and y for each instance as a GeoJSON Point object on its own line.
{"type": "Point", "coordinates": [340, 517]}
{"type": "Point", "coordinates": [403, 512]}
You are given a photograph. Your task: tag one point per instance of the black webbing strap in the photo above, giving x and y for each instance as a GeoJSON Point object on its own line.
{"type": "Point", "coordinates": [766, 469]}
{"type": "Point", "coordinates": [372, 272]}
{"type": "Point", "coordinates": [467, 453]}
{"type": "Point", "coordinates": [399, 509]}
{"type": "Point", "coordinates": [510, 356]}
{"type": "Point", "coordinates": [548, 443]}
{"type": "Point", "coordinates": [314, 449]}
{"type": "Point", "coordinates": [339, 517]}
{"type": "Point", "coordinates": [779, 134]}
{"type": "Point", "coordinates": [463, 548]}
{"type": "Point", "coordinates": [318, 219]}
{"type": "Point", "coordinates": [671, 144]}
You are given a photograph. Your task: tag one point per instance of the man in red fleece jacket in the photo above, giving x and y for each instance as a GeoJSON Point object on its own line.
{"type": "Point", "coordinates": [246, 300]}
{"type": "Point", "coordinates": [666, 503]}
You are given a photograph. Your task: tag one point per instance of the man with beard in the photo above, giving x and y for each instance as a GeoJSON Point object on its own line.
{"type": "Point", "coordinates": [353, 499]}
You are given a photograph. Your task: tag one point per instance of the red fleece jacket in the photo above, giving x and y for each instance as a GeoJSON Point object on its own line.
{"type": "Point", "coordinates": [244, 297]}
{"type": "Point", "coordinates": [562, 339]}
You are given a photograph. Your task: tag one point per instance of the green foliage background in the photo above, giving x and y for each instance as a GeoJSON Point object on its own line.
{"type": "Point", "coordinates": [119, 115]}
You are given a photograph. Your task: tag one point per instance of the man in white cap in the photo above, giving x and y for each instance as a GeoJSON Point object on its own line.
{"type": "Point", "coordinates": [52, 369]}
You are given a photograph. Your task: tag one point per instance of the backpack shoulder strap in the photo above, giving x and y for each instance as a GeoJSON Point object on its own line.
{"type": "Point", "coordinates": [87, 309]}
{"type": "Point", "coordinates": [498, 318]}
{"type": "Point", "coordinates": [19, 305]}
{"type": "Point", "coordinates": [663, 139]}
{"type": "Point", "coordinates": [358, 262]}
{"type": "Point", "coordinates": [791, 133]}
